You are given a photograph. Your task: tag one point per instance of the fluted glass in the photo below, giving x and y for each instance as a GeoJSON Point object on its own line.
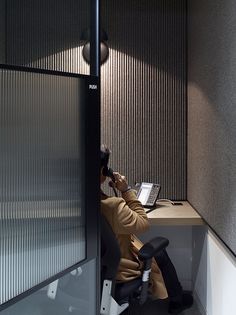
{"type": "Point", "coordinates": [42, 226]}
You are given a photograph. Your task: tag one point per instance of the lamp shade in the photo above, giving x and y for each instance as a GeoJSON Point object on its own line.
{"type": "Point", "coordinates": [104, 50]}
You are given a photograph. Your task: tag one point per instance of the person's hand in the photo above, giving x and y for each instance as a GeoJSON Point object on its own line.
{"type": "Point", "coordinates": [120, 182]}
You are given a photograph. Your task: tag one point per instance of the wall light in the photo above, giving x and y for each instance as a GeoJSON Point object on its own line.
{"type": "Point", "coordinates": [104, 50]}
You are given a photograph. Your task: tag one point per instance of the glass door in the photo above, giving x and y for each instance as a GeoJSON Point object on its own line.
{"type": "Point", "coordinates": [49, 159]}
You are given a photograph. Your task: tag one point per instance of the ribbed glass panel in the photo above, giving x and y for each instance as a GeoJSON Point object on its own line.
{"type": "Point", "coordinates": [143, 91]}
{"type": "Point", "coordinates": [41, 213]}
{"type": "Point", "coordinates": [47, 34]}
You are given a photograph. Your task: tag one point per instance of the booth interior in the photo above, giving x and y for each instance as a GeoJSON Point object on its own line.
{"type": "Point", "coordinates": [168, 115]}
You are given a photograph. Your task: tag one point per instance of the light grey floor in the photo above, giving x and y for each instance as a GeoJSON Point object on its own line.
{"type": "Point", "coordinates": [154, 308]}
{"type": "Point", "coordinates": [159, 308]}
{"type": "Point", "coordinates": [193, 311]}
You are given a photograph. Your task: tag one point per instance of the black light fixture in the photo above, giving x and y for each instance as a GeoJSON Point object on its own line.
{"type": "Point", "coordinates": [104, 51]}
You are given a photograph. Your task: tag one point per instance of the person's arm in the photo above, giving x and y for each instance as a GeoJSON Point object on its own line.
{"type": "Point", "coordinates": [129, 217]}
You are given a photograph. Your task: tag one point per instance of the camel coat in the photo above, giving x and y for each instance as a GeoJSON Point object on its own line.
{"type": "Point", "coordinates": [127, 217]}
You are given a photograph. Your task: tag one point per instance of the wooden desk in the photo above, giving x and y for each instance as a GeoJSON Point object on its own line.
{"type": "Point", "coordinates": [167, 214]}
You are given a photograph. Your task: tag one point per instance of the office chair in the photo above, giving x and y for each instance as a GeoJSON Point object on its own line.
{"type": "Point", "coordinates": [116, 297]}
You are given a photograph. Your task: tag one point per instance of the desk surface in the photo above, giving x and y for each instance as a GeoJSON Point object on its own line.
{"type": "Point", "coordinates": [167, 214]}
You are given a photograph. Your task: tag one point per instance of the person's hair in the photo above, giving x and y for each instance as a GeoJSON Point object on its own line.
{"type": "Point", "coordinates": [105, 154]}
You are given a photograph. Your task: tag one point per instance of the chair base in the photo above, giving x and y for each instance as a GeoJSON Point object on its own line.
{"type": "Point", "coordinates": [108, 305]}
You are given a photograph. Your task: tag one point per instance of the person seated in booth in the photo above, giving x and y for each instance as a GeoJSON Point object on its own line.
{"type": "Point", "coordinates": [127, 218]}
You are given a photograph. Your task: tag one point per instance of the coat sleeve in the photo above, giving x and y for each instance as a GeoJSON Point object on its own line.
{"type": "Point", "coordinates": [128, 216]}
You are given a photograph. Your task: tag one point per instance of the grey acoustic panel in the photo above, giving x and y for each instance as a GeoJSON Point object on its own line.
{"type": "Point", "coordinates": [212, 115]}
{"type": "Point", "coordinates": [144, 91]}
{"type": "Point", "coordinates": [46, 34]}
{"type": "Point", "coordinates": [42, 216]}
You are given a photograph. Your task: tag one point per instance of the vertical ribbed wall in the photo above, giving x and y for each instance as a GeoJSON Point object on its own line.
{"type": "Point", "coordinates": [144, 91]}
{"type": "Point", "coordinates": [143, 82]}
{"type": "Point", "coordinates": [47, 34]}
{"type": "Point", "coordinates": [42, 228]}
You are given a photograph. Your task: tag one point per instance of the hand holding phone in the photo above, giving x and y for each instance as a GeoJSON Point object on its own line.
{"type": "Point", "coordinates": [117, 180]}
{"type": "Point", "coordinates": [110, 174]}
{"type": "Point", "coordinates": [120, 182]}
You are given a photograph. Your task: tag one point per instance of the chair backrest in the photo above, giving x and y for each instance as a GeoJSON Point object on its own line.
{"type": "Point", "coordinates": [110, 251]}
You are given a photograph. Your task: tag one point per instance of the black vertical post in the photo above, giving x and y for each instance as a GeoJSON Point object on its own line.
{"type": "Point", "coordinates": [93, 146]}
{"type": "Point", "coordinates": [95, 38]}
{"type": "Point", "coordinates": [92, 139]}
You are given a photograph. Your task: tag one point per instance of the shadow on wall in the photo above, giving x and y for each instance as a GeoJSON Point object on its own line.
{"type": "Point", "coordinates": [148, 31]}
{"type": "Point", "coordinates": [212, 157]}
{"type": "Point", "coordinates": [151, 33]}
{"type": "Point", "coordinates": [211, 56]}
{"type": "Point", "coordinates": [144, 91]}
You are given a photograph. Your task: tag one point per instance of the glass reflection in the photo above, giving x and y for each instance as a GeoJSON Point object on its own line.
{"type": "Point", "coordinates": [74, 294]}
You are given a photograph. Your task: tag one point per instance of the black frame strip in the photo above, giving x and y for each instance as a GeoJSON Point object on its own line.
{"type": "Point", "coordinates": [43, 71]}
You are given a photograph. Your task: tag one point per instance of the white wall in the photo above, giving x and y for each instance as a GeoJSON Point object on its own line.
{"type": "Point", "coordinates": [214, 272]}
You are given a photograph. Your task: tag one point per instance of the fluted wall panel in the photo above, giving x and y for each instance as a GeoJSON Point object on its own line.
{"type": "Point", "coordinates": [144, 91]}
{"type": "Point", "coordinates": [42, 219]}
{"type": "Point", "coordinates": [143, 83]}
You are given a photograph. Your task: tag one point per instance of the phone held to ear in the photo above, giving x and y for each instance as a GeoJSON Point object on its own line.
{"type": "Point", "coordinates": [109, 173]}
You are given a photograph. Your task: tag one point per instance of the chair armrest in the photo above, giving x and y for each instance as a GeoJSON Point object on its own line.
{"type": "Point", "coordinates": [145, 254]}
{"type": "Point", "coordinates": [151, 248]}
